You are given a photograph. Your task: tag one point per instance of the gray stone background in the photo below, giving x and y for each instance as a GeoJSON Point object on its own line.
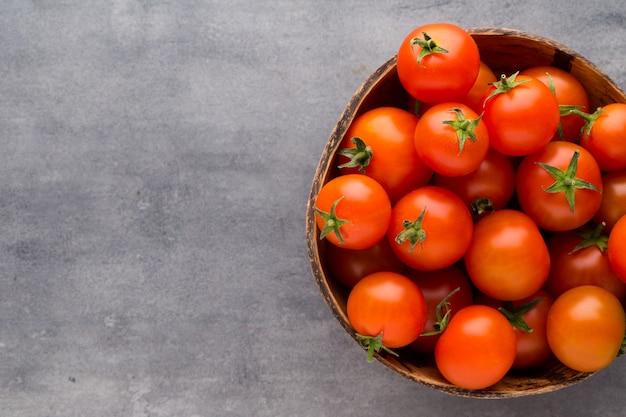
{"type": "Point", "coordinates": [156, 158]}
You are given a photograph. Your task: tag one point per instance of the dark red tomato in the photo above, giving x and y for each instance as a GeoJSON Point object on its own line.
{"type": "Point", "coordinates": [451, 139]}
{"type": "Point", "coordinates": [490, 187]}
{"type": "Point", "coordinates": [581, 259]}
{"type": "Point", "coordinates": [508, 258]}
{"type": "Point", "coordinates": [352, 211]}
{"type": "Point", "coordinates": [617, 248]}
{"type": "Point", "coordinates": [569, 91]}
{"type": "Point", "coordinates": [586, 328]}
{"type": "Point", "coordinates": [349, 265]}
{"type": "Point", "coordinates": [438, 62]}
{"type": "Point", "coordinates": [477, 348]}
{"type": "Point", "coordinates": [386, 310]}
{"type": "Point", "coordinates": [613, 204]}
{"type": "Point", "coordinates": [604, 136]}
{"type": "Point", "coordinates": [521, 114]}
{"type": "Point", "coordinates": [436, 286]}
{"type": "Point", "coordinates": [430, 228]}
{"type": "Point", "coordinates": [559, 186]}
{"type": "Point", "coordinates": [476, 95]}
{"type": "Point", "coordinates": [385, 151]}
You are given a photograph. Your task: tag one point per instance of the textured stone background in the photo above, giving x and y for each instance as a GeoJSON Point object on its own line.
{"type": "Point", "coordinates": [156, 158]}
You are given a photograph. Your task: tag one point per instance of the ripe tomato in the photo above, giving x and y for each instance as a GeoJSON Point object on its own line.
{"type": "Point", "coordinates": [559, 186]}
{"type": "Point", "coordinates": [586, 328]}
{"type": "Point", "coordinates": [430, 228]}
{"type": "Point", "coordinates": [438, 62]}
{"type": "Point", "coordinates": [569, 92]}
{"type": "Point", "coordinates": [477, 348]}
{"type": "Point", "coordinates": [451, 139]}
{"type": "Point", "coordinates": [604, 134]}
{"type": "Point", "coordinates": [474, 99]}
{"type": "Point", "coordinates": [385, 151]}
{"type": "Point", "coordinates": [508, 258]}
{"type": "Point", "coordinates": [521, 114]}
{"type": "Point", "coordinates": [387, 310]}
{"type": "Point", "coordinates": [490, 187]}
{"type": "Point", "coordinates": [436, 286]}
{"type": "Point", "coordinates": [350, 265]}
{"type": "Point", "coordinates": [613, 204]}
{"type": "Point", "coordinates": [617, 248]}
{"type": "Point", "coordinates": [352, 211]}
{"type": "Point", "coordinates": [580, 258]}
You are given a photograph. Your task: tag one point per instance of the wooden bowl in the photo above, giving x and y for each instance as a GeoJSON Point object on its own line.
{"type": "Point", "coordinates": [505, 51]}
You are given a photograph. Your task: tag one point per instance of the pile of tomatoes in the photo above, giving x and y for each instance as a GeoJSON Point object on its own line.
{"type": "Point", "coordinates": [485, 223]}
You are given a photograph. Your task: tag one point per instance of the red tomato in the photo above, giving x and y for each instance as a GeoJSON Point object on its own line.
{"type": "Point", "coordinates": [436, 286]}
{"type": "Point", "coordinates": [477, 348]}
{"type": "Point", "coordinates": [349, 265]}
{"type": "Point", "coordinates": [490, 187]}
{"type": "Point", "coordinates": [617, 248]}
{"type": "Point", "coordinates": [385, 152]}
{"type": "Point", "coordinates": [613, 204]}
{"type": "Point", "coordinates": [386, 310]}
{"type": "Point", "coordinates": [476, 95]}
{"type": "Point", "coordinates": [521, 114]}
{"type": "Point", "coordinates": [559, 186]}
{"type": "Point", "coordinates": [353, 211]}
{"type": "Point", "coordinates": [569, 91]}
{"type": "Point", "coordinates": [451, 139]}
{"type": "Point", "coordinates": [604, 136]}
{"type": "Point", "coordinates": [581, 259]}
{"type": "Point", "coordinates": [586, 328]}
{"type": "Point", "coordinates": [430, 228]}
{"type": "Point", "coordinates": [508, 258]}
{"type": "Point", "coordinates": [438, 62]}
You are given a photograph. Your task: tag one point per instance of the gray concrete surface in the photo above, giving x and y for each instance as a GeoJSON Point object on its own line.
{"type": "Point", "coordinates": [155, 162]}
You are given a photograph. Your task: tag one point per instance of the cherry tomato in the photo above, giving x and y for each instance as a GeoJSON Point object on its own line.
{"type": "Point", "coordinates": [617, 248]}
{"type": "Point", "coordinates": [613, 204]}
{"type": "Point", "coordinates": [438, 62]}
{"type": "Point", "coordinates": [379, 143]}
{"type": "Point", "coordinates": [387, 310]}
{"type": "Point", "coordinates": [353, 211]}
{"type": "Point", "coordinates": [451, 139]}
{"type": "Point", "coordinates": [430, 228]}
{"type": "Point", "coordinates": [436, 286]}
{"type": "Point", "coordinates": [490, 187]}
{"type": "Point", "coordinates": [559, 186]}
{"type": "Point", "coordinates": [585, 328]}
{"type": "Point", "coordinates": [604, 136]}
{"type": "Point", "coordinates": [521, 114]}
{"type": "Point", "coordinates": [476, 95]}
{"type": "Point", "coordinates": [477, 348]}
{"type": "Point", "coordinates": [580, 258]}
{"type": "Point", "coordinates": [569, 91]}
{"type": "Point", "coordinates": [508, 258]}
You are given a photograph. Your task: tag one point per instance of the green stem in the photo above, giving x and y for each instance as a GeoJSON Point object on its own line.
{"type": "Point", "coordinates": [515, 314]}
{"type": "Point", "coordinates": [465, 128]}
{"type": "Point", "coordinates": [373, 344]}
{"type": "Point", "coordinates": [360, 156]}
{"type": "Point", "coordinates": [332, 223]}
{"type": "Point", "coordinates": [413, 232]}
{"type": "Point", "coordinates": [428, 47]}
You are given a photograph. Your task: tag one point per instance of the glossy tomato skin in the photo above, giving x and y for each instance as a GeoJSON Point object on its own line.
{"type": "Point", "coordinates": [363, 203]}
{"type": "Point", "coordinates": [613, 205]}
{"type": "Point", "coordinates": [477, 348]}
{"type": "Point", "coordinates": [551, 211]}
{"type": "Point", "coordinates": [508, 258]}
{"type": "Point", "coordinates": [617, 248]}
{"type": "Point", "coordinates": [439, 77]}
{"type": "Point", "coordinates": [447, 225]}
{"type": "Point", "coordinates": [569, 92]}
{"type": "Point", "coordinates": [388, 131]}
{"type": "Point", "coordinates": [474, 99]}
{"type": "Point", "coordinates": [522, 120]}
{"type": "Point", "coordinates": [437, 285]}
{"type": "Point", "coordinates": [605, 140]}
{"type": "Point", "coordinates": [387, 303]}
{"type": "Point", "coordinates": [438, 143]}
{"type": "Point", "coordinates": [585, 328]}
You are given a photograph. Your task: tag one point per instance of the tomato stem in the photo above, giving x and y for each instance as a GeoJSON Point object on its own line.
{"type": "Point", "coordinates": [374, 344]}
{"type": "Point", "coordinates": [515, 314]}
{"type": "Point", "coordinates": [332, 223]}
{"type": "Point", "coordinates": [443, 313]}
{"type": "Point", "coordinates": [465, 128]}
{"type": "Point", "coordinates": [593, 237]}
{"type": "Point", "coordinates": [360, 156]}
{"type": "Point", "coordinates": [413, 232]}
{"type": "Point", "coordinates": [589, 118]}
{"type": "Point", "coordinates": [505, 85]}
{"type": "Point", "coordinates": [428, 47]}
{"type": "Point", "coordinates": [481, 206]}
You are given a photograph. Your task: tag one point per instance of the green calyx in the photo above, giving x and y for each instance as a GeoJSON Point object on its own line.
{"type": "Point", "coordinates": [332, 223]}
{"type": "Point", "coordinates": [428, 47]}
{"type": "Point", "coordinates": [515, 314]}
{"type": "Point", "coordinates": [360, 156]}
{"type": "Point", "coordinates": [593, 237]}
{"type": "Point", "coordinates": [566, 181]}
{"type": "Point", "coordinates": [481, 206]}
{"type": "Point", "coordinates": [589, 118]}
{"type": "Point", "coordinates": [413, 232]}
{"type": "Point", "coordinates": [465, 128]}
{"type": "Point", "coordinates": [506, 84]}
{"type": "Point", "coordinates": [443, 313]}
{"type": "Point", "coordinates": [373, 345]}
